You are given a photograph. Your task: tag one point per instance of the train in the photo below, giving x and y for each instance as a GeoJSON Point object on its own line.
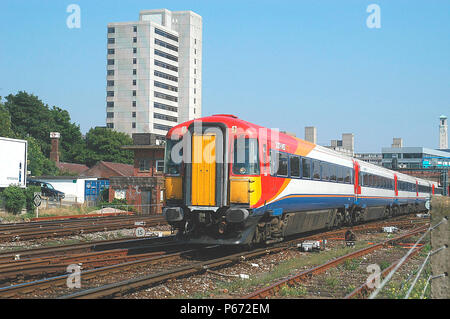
{"type": "Point", "coordinates": [232, 182]}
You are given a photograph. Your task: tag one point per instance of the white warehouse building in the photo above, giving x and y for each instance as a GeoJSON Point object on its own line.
{"type": "Point", "coordinates": [154, 72]}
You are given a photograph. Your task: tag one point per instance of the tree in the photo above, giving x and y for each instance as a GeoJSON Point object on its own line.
{"type": "Point", "coordinates": [38, 163]}
{"type": "Point", "coordinates": [103, 144]}
{"type": "Point", "coordinates": [5, 121]}
{"type": "Point", "coordinates": [31, 117]}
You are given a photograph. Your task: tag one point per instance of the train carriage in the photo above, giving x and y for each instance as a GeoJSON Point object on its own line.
{"type": "Point", "coordinates": [229, 181]}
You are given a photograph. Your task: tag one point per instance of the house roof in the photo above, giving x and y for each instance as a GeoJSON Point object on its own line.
{"type": "Point", "coordinates": [72, 167]}
{"type": "Point", "coordinates": [143, 147]}
{"type": "Point", "coordinates": [103, 169]}
{"type": "Point", "coordinates": [122, 169]}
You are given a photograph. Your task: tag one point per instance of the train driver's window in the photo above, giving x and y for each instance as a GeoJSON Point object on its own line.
{"type": "Point", "coordinates": [246, 157]}
{"type": "Point", "coordinates": [294, 166]}
{"type": "Point", "coordinates": [306, 167]}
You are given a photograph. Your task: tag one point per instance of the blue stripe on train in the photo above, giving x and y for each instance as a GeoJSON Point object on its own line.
{"type": "Point", "coordinates": [296, 203]}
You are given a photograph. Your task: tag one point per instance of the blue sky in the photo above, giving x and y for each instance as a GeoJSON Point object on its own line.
{"type": "Point", "coordinates": [282, 64]}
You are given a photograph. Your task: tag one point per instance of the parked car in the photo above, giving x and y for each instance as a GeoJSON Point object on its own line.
{"type": "Point", "coordinates": [47, 189]}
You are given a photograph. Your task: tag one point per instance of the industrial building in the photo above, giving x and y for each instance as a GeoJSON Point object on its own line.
{"type": "Point", "coordinates": [409, 157]}
{"type": "Point", "coordinates": [154, 72]}
{"type": "Point", "coordinates": [345, 146]}
{"type": "Point", "coordinates": [311, 134]}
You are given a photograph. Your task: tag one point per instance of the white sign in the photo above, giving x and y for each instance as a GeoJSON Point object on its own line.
{"type": "Point", "coordinates": [13, 162]}
{"type": "Point", "coordinates": [55, 135]}
{"type": "Point", "coordinates": [140, 232]}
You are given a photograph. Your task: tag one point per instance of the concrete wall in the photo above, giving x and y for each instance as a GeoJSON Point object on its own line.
{"type": "Point", "coordinates": [74, 191]}
{"type": "Point", "coordinates": [440, 261]}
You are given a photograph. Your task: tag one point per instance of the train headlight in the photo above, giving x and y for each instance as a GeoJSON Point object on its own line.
{"type": "Point", "coordinates": [236, 215]}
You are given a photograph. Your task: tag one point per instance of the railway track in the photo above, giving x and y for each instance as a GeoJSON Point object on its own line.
{"type": "Point", "coordinates": [124, 287]}
{"type": "Point", "coordinates": [363, 291]}
{"type": "Point", "coordinates": [47, 229]}
{"type": "Point", "coordinates": [191, 268]}
{"type": "Point", "coordinates": [20, 290]}
{"type": "Point", "coordinates": [272, 290]}
{"type": "Point", "coordinates": [54, 260]}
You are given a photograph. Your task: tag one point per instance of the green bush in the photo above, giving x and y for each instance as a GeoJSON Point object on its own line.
{"type": "Point", "coordinates": [29, 194]}
{"type": "Point", "coordinates": [104, 195]}
{"type": "Point", "coordinates": [14, 199]}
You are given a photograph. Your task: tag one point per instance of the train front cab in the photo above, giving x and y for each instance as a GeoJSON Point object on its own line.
{"type": "Point", "coordinates": [209, 194]}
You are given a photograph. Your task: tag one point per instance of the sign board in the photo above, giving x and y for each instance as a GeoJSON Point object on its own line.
{"type": "Point", "coordinates": [13, 162]}
{"type": "Point", "coordinates": [37, 199]}
{"type": "Point", "coordinates": [140, 232]}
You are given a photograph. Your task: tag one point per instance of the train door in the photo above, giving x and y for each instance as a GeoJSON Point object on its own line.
{"type": "Point", "coordinates": [203, 170]}
{"type": "Point", "coordinates": [357, 182]}
{"type": "Point", "coordinates": [417, 189]}
{"type": "Point", "coordinates": [395, 184]}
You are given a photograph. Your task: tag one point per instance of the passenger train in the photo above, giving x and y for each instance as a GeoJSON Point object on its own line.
{"type": "Point", "coordinates": [232, 182]}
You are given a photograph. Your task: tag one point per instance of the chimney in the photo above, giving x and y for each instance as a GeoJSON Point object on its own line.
{"type": "Point", "coordinates": [54, 153]}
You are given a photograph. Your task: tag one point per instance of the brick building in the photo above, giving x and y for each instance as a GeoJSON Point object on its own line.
{"type": "Point", "coordinates": [144, 188]}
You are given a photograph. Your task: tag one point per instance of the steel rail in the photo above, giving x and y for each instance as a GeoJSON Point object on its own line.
{"type": "Point", "coordinates": [15, 290]}
{"type": "Point", "coordinates": [120, 288]}
{"type": "Point", "coordinates": [41, 224]}
{"type": "Point", "coordinates": [75, 229]}
{"type": "Point", "coordinates": [292, 280]}
{"type": "Point", "coordinates": [60, 266]}
{"type": "Point", "coordinates": [364, 289]}
{"type": "Point", "coordinates": [64, 250]}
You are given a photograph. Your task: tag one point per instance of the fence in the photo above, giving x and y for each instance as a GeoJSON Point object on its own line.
{"type": "Point", "coordinates": [438, 255]}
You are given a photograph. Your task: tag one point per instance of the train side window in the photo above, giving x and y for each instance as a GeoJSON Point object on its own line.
{"type": "Point", "coordinates": [325, 171]}
{"type": "Point", "coordinates": [306, 167]}
{"type": "Point", "coordinates": [332, 170]}
{"type": "Point", "coordinates": [340, 174]}
{"type": "Point", "coordinates": [347, 175]}
{"type": "Point", "coordinates": [316, 169]}
{"type": "Point", "coordinates": [294, 166]}
{"type": "Point", "coordinates": [282, 164]}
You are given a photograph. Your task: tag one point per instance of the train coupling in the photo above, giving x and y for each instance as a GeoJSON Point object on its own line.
{"type": "Point", "coordinates": [236, 215]}
{"type": "Point", "coordinates": [173, 214]}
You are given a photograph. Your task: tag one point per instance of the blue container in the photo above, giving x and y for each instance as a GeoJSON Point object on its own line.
{"type": "Point", "coordinates": [93, 189]}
